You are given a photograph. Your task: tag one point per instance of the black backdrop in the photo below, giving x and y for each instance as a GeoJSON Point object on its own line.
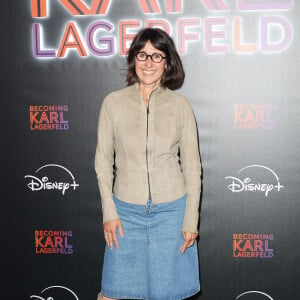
{"type": "Point", "coordinates": [242, 80]}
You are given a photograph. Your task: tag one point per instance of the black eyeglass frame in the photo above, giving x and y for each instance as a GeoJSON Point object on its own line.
{"type": "Point", "coordinates": [151, 56]}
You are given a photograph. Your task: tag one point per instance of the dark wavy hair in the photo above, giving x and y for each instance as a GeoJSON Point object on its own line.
{"type": "Point", "coordinates": [173, 75]}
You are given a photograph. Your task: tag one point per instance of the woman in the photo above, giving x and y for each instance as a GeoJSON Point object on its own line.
{"type": "Point", "coordinates": [148, 168]}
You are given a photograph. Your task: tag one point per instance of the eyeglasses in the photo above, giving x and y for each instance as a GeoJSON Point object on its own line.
{"type": "Point", "coordinates": [155, 57]}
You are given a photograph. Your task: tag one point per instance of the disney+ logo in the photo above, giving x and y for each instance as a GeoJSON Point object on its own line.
{"type": "Point", "coordinates": [247, 184]}
{"type": "Point", "coordinates": [44, 183]}
{"type": "Point", "coordinates": [53, 290]}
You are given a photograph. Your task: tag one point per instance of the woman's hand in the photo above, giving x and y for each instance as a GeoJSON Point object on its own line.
{"type": "Point", "coordinates": [189, 240]}
{"type": "Point", "coordinates": [110, 232]}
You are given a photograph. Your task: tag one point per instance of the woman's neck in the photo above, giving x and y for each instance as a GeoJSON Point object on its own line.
{"type": "Point", "coordinates": [146, 90]}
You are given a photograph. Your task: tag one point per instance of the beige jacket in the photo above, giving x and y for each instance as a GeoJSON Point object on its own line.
{"type": "Point", "coordinates": [144, 153]}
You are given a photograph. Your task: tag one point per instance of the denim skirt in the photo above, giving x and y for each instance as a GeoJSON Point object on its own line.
{"type": "Point", "coordinates": [148, 263]}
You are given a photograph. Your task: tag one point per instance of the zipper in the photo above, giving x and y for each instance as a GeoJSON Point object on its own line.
{"type": "Point", "coordinates": [149, 191]}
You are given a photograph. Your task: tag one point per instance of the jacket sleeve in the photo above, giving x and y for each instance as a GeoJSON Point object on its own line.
{"type": "Point", "coordinates": [104, 162]}
{"type": "Point", "coordinates": [191, 168]}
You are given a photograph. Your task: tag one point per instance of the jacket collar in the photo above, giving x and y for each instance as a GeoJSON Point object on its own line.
{"type": "Point", "coordinates": [156, 91]}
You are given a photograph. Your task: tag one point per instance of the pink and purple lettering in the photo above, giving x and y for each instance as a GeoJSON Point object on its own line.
{"type": "Point", "coordinates": [162, 24]}
{"type": "Point", "coordinates": [238, 46]}
{"type": "Point", "coordinates": [174, 6]}
{"type": "Point", "coordinates": [126, 38]}
{"type": "Point", "coordinates": [38, 8]}
{"type": "Point", "coordinates": [283, 25]}
{"type": "Point", "coordinates": [37, 51]}
{"type": "Point", "coordinates": [71, 40]}
{"type": "Point", "coordinates": [216, 5]}
{"type": "Point", "coordinates": [211, 35]}
{"type": "Point", "coordinates": [264, 5]}
{"type": "Point", "coordinates": [150, 6]}
{"type": "Point", "coordinates": [106, 46]}
{"type": "Point", "coordinates": [78, 7]}
{"type": "Point", "coordinates": [184, 36]}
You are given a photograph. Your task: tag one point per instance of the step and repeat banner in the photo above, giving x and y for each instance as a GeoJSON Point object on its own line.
{"type": "Point", "coordinates": [60, 58]}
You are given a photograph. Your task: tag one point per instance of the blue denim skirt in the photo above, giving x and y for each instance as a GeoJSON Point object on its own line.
{"type": "Point", "coordinates": [148, 263]}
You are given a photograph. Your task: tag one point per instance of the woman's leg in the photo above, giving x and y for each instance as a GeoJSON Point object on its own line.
{"type": "Point", "coordinates": [101, 297]}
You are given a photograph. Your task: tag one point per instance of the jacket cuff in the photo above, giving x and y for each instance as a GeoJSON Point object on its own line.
{"type": "Point", "coordinates": [190, 222]}
{"type": "Point", "coordinates": [110, 216]}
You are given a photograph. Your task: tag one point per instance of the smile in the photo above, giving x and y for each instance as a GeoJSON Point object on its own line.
{"type": "Point", "coordinates": [148, 72]}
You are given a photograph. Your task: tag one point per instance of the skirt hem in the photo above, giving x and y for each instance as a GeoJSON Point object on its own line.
{"type": "Point", "coordinates": [190, 294]}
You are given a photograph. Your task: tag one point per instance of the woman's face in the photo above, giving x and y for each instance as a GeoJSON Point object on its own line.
{"type": "Point", "coordinates": [149, 72]}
